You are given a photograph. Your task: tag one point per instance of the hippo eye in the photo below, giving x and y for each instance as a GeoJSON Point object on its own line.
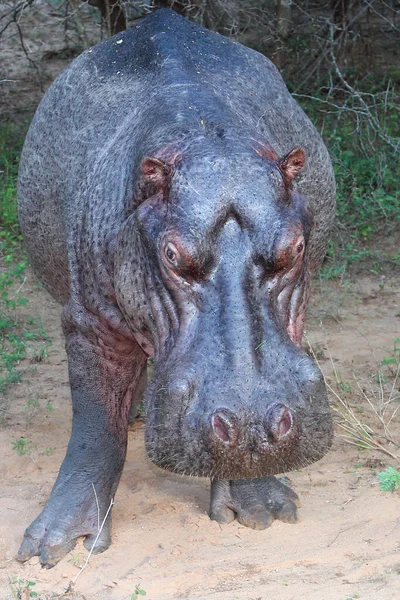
{"type": "Point", "coordinates": [171, 254]}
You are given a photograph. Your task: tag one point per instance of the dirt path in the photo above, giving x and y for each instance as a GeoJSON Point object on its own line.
{"type": "Point", "coordinates": [346, 545]}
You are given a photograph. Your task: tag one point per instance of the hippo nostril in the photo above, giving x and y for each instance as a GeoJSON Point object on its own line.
{"type": "Point", "coordinates": [223, 427]}
{"type": "Point", "coordinates": [220, 428]}
{"type": "Point", "coordinates": [280, 421]}
{"type": "Point", "coordinates": [285, 424]}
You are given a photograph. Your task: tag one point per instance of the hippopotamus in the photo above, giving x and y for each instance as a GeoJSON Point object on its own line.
{"type": "Point", "coordinates": [176, 201]}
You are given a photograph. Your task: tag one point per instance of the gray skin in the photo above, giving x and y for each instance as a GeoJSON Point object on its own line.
{"type": "Point", "coordinates": [158, 205]}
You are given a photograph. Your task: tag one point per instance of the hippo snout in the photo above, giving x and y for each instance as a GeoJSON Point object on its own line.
{"type": "Point", "coordinates": [277, 425]}
{"type": "Point", "coordinates": [232, 431]}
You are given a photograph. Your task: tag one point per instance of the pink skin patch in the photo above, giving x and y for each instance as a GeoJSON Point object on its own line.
{"type": "Point", "coordinates": [295, 328]}
{"type": "Point", "coordinates": [144, 344]}
{"type": "Point", "coordinates": [285, 424]}
{"type": "Point", "coordinates": [290, 299]}
{"type": "Point", "coordinates": [265, 150]}
{"type": "Point", "coordinates": [220, 428]}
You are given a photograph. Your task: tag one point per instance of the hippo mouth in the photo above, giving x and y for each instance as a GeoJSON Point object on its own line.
{"type": "Point", "coordinates": [215, 447]}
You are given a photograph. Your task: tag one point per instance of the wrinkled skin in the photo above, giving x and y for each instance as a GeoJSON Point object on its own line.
{"type": "Point", "coordinates": [176, 201]}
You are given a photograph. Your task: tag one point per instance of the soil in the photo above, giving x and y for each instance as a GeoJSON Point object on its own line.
{"type": "Point", "coordinates": [345, 545]}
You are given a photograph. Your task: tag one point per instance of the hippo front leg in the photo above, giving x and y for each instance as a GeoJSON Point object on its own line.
{"type": "Point", "coordinates": [103, 368]}
{"type": "Point", "coordinates": [256, 503]}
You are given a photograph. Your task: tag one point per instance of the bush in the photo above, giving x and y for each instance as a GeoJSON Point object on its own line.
{"type": "Point", "coordinates": [362, 132]}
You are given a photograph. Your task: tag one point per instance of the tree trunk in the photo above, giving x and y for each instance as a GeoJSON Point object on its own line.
{"type": "Point", "coordinates": [112, 13]}
{"type": "Point", "coordinates": [283, 24]}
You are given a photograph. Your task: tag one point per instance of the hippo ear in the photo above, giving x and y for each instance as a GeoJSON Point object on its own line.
{"type": "Point", "coordinates": [154, 177]}
{"type": "Point", "coordinates": [291, 164]}
{"type": "Point", "coordinates": [264, 149]}
{"type": "Point", "coordinates": [156, 171]}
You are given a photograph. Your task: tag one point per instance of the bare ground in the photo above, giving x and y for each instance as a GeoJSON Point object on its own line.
{"type": "Point", "coordinates": [346, 544]}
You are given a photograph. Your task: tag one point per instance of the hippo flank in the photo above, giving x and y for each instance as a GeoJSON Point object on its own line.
{"type": "Point", "coordinates": [158, 206]}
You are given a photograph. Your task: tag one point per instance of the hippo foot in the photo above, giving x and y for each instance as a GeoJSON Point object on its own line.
{"type": "Point", "coordinates": [254, 502]}
{"type": "Point", "coordinates": [56, 530]}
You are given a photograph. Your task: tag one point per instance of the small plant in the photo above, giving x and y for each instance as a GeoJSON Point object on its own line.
{"type": "Point", "coordinates": [76, 559]}
{"type": "Point", "coordinates": [22, 588]}
{"type": "Point", "coordinates": [138, 592]}
{"type": "Point", "coordinates": [389, 480]}
{"type": "Point", "coordinates": [393, 362]}
{"type": "Point", "coordinates": [49, 451]}
{"type": "Point", "coordinates": [22, 446]}
{"type": "Point", "coordinates": [342, 385]}
{"type": "Point", "coordinates": [31, 404]}
{"type": "Point", "coordinates": [31, 408]}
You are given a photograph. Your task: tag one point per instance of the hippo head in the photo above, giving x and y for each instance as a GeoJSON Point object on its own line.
{"type": "Point", "coordinates": [212, 276]}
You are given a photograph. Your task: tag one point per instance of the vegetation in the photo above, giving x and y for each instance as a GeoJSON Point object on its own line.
{"type": "Point", "coordinates": [389, 480]}
{"type": "Point", "coordinates": [20, 336]}
{"type": "Point", "coordinates": [137, 593]}
{"type": "Point", "coordinates": [365, 149]}
{"type": "Point", "coordinates": [368, 420]}
{"type": "Point", "coordinates": [22, 589]}
{"type": "Point", "coordinates": [22, 446]}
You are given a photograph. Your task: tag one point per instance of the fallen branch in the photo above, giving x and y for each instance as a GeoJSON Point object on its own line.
{"type": "Point", "coordinates": [359, 434]}
{"type": "Point", "coordinates": [71, 584]}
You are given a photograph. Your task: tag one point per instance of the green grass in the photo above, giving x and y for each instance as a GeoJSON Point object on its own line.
{"type": "Point", "coordinates": [368, 196]}
{"type": "Point", "coordinates": [21, 337]}
{"type": "Point", "coordinates": [10, 235]}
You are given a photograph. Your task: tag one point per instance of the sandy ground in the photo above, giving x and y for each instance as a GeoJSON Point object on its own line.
{"type": "Point", "coordinates": [346, 544]}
